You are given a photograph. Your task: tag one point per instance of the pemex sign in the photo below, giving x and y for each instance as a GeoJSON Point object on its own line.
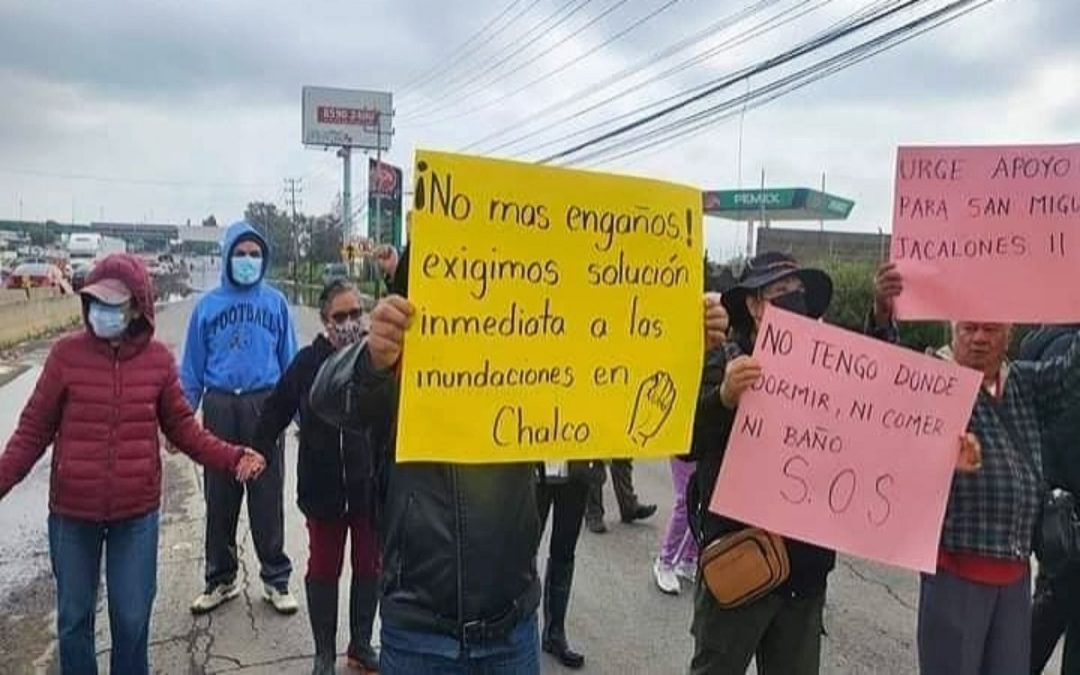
{"type": "Point", "coordinates": [776, 204]}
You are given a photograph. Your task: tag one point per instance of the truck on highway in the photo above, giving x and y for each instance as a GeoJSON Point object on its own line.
{"type": "Point", "coordinates": [91, 246]}
{"type": "Point", "coordinates": [83, 246]}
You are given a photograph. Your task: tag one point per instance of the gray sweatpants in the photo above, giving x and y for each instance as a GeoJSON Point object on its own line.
{"type": "Point", "coordinates": [967, 628]}
{"type": "Point", "coordinates": [234, 418]}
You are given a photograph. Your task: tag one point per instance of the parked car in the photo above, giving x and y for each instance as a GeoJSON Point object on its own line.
{"type": "Point", "coordinates": [334, 271]}
{"type": "Point", "coordinates": [36, 275]}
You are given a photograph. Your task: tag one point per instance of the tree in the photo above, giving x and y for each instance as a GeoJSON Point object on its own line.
{"type": "Point", "coordinates": [275, 226]}
{"type": "Point", "coordinates": [210, 221]}
{"type": "Point", "coordinates": [327, 238]}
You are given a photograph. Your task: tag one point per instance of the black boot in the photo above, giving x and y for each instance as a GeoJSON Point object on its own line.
{"type": "Point", "coordinates": [639, 512]}
{"type": "Point", "coordinates": [557, 582]}
{"type": "Point", "coordinates": [322, 600]}
{"type": "Point", "coordinates": [363, 601]}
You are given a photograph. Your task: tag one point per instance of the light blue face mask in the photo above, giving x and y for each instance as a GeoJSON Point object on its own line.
{"type": "Point", "coordinates": [246, 270]}
{"type": "Point", "coordinates": [107, 321]}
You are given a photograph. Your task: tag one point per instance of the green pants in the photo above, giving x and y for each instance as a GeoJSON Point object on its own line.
{"type": "Point", "coordinates": [782, 631]}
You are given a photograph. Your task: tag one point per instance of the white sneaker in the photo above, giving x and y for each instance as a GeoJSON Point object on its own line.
{"type": "Point", "coordinates": [281, 600]}
{"type": "Point", "coordinates": [666, 579]}
{"type": "Point", "coordinates": [214, 598]}
{"type": "Point", "coordinates": [687, 570]}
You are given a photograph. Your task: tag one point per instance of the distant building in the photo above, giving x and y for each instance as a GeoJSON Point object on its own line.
{"type": "Point", "coordinates": [140, 237]}
{"type": "Point", "coordinates": [824, 245]}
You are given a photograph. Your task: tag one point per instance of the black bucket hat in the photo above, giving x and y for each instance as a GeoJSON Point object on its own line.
{"type": "Point", "coordinates": [770, 267]}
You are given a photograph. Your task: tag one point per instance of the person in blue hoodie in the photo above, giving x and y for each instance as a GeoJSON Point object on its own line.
{"type": "Point", "coordinates": [239, 343]}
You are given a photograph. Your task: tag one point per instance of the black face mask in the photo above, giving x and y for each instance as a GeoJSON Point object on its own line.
{"type": "Point", "coordinates": [792, 301]}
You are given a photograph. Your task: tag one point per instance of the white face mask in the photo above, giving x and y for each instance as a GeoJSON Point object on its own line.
{"type": "Point", "coordinates": [107, 321]}
{"type": "Point", "coordinates": [343, 334]}
{"type": "Point", "coordinates": [246, 270]}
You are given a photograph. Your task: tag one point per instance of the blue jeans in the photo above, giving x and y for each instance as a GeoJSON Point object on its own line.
{"type": "Point", "coordinates": [411, 653]}
{"type": "Point", "coordinates": [131, 575]}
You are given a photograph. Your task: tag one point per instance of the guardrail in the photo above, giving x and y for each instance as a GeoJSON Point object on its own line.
{"type": "Point", "coordinates": [30, 313]}
{"type": "Point", "coordinates": [308, 294]}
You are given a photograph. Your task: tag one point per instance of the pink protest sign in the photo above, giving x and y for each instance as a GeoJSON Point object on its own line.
{"type": "Point", "coordinates": [988, 233]}
{"type": "Point", "coordinates": [846, 442]}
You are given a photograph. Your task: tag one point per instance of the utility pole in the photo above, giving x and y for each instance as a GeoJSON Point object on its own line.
{"type": "Point", "coordinates": [293, 187]}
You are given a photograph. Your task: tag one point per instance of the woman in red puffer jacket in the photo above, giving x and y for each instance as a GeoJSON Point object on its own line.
{"type": "Point", "coordinates": [100, 401]}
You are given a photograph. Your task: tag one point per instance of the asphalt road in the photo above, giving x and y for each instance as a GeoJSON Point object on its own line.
{"type": "Point", "coordinates": [617, 617]}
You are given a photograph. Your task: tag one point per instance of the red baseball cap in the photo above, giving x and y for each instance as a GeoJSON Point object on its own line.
{"type": "Point", "coordinates": [108, 291]}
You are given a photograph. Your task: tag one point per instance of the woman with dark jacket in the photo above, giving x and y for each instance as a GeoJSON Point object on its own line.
{"type": "Point", "coordinates": [100, 401]}
{"type": "Point", "coordinates": [781, 630]}
{"type": "Point", "coordinates": [562, 487]}
{"type": "Point", "coordinates": [335, 489]}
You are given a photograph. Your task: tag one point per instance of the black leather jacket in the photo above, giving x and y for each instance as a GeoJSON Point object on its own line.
{"type": "Point", "coordinates": [1061, 461]}
{"type": "Point", "coordinates": [458, 542]}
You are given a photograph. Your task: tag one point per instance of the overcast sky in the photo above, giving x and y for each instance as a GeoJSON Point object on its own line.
{"type": "Point", "coordinates": [183, 109]}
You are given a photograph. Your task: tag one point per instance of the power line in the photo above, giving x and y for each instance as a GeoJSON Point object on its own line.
{"type": "Point", "coordinates": [695, 124]}
{"type": "Point", "coordinates": [591, 91]}
{"type": "Point", "coordinates": [764, 27]}
{"type": "Point", "coordinates": [722, 83]}
{"type": "Point", "coordinates": [477, 56]}
{"type": "Point", "coordinates": [133, 181]}
{"type": "Point", "coordinates": [503, 47]}
{"type": "Point", "coordinates": [742, 103]}
{"type": "Point", "coordinates": [561, 15]}
{"type": "Point", "coordinates": [462, 50]}
{"type": "Point", "coordinates": [637, 23]}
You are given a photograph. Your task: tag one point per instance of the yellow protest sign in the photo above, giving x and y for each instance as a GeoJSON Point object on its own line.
{"type": "Point", "coordinates": [558, 314]}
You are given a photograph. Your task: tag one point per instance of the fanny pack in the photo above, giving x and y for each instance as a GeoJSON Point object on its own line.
{"type": "Point", "coordinates": [743, 566]}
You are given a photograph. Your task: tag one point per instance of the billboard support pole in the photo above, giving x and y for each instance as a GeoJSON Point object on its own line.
{"type": "Point", "coordinates": [346, 189]}
{"type": "Point", "coordinates": [378, 234]}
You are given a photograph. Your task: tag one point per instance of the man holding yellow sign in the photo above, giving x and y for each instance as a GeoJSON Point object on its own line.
{"type": "Point", "coordinates": [544, 320]}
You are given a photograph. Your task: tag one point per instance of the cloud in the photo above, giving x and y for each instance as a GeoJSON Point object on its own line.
{"type": "Point", "coordinates": [204, 95]}
{"type": "Point", "coordinates": [256, 51]}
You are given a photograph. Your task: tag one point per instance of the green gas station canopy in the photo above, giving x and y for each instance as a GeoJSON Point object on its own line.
{"type": "Point", "coordinates": [776, 204]}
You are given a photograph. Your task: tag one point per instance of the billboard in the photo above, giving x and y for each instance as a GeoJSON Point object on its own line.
{"type": "Point", "coordinates": [384, 202]}
{"type": "Point", "coordinates": [347, 118]}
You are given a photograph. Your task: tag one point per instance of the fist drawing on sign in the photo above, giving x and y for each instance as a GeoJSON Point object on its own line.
{"type": "Point", "coordinates": [655, 399]}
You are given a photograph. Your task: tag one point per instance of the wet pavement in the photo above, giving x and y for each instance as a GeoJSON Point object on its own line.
{"type": "Point", "coordinates": [617, 618]}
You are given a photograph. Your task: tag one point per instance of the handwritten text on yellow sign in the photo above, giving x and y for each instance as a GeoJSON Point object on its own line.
{"type": "Point", "coordinates": [558, 314]}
